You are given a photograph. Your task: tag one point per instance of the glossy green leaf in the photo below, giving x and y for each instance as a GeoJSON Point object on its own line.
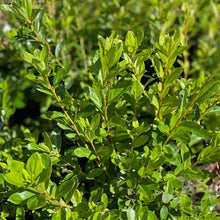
{"type": "Point", "coordinates": [136, 90]}
{"type": "Point", "coordinates": [141, 140]}
{"type": "Point", "coordinates": [60, 215]}
{"type": "Point", "coordinates": [20, 11]}
{"type": "Point", "coordinates": [166, 197]}
{"type": "Point", "coordinates": [147, 193]}
{"type": "Point", "coordinates": [44, 55]}
{"type": "Point", "coordinates": [151, 216]}
{"type": "Point", "coordinates": [18, 198]}
{"type": "Point", "coordinates": [56, 138]}
{"type": "Point", "coordinates": [37, 202]}
{"type": "Point", "coordinates": [5, 8]}
{"type": "Point", "coordinates": [113, 55]}
{"type": "Point", "coordinates": [34, 165]}
{"type": "Point", "coordinates": [67, 188]}
{"type": "Point", "coordinates": [117, 90]}
{"type": "Point", "coordinates": [131, 214]}
{"type": "Point", "coordinates": [28, 56]}
{"type": "Point", "coordinates": [82, 152]}
{"type": "Point", "coordinates": [47, 169]}
{"type": "Point", "coordinates": [96, 97]}
{"type": "Point", "coordinates": [164, 128]}
{"type": "Point", "coordinates": [104, 199]}
{"type": "Point", "coordinates": [47, 141]}
{"type": "Point", "coordinates": [76, 197]}
{"type": "Point", "coordinates": [59, 76]}
{"type": "Point", "coordinates": [173, 75]}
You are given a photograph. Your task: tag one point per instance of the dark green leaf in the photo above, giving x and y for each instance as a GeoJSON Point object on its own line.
{"type": "Point", "coordinates": [195, 128]}
{"type": "Point", "coordinates": [94, 173]}
{"type": "Point", "coordinates": [67, 188]}
{"type": "Point", "coordinates": [141, 140]}
{"type": "Point", "coordinates": [209, 91]}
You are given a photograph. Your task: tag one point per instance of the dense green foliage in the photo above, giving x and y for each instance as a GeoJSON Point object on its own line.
{"type": "Point", "coordinates": [109, 109]}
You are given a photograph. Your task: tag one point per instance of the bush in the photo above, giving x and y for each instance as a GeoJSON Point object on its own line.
{"type": "Point", "coordinates": [109, 109]}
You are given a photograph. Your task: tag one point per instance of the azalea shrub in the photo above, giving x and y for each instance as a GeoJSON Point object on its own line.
{"type": "Point", "coordinates": [109, 109]}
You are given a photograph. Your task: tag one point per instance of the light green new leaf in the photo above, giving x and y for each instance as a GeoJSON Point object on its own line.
{"type": "Point", "coordinates": [39, 65]}
{"type": "Point", "coordinates": [166, 197]}
{"type": "Point", "coordinates": [15, 165]}
{"type": "Point", "coordinates": [18, 198]}
{"type": "Point", "coordinates": [28, 56]}
{"type": "Point", "coordinates": [158, 68]}
{"type": "Point", "coordinates": [20, 214]}
{"type": "Point", "coordinates": [151, 216]}
{"type": "Point", "coordinates": [34, 165]}
{"type": "Point", "coordinates": [20, 12]}
{"type": "Point", "coordinates": [163, 213]}
{"type": "Point", "coordinates": [28, 8]}
{"type": "Point", "coordinates": [104, 199]}
{"type": "Point", "coordinates": [131, 43]}
{"type": "Point", "coordinates": [15, 178]}
{"type": "Point", "coordinates": [113, 55]}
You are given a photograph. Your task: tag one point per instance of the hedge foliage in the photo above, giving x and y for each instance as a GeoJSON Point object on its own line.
{"type": "Point", "coordinates": [109, 109]}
